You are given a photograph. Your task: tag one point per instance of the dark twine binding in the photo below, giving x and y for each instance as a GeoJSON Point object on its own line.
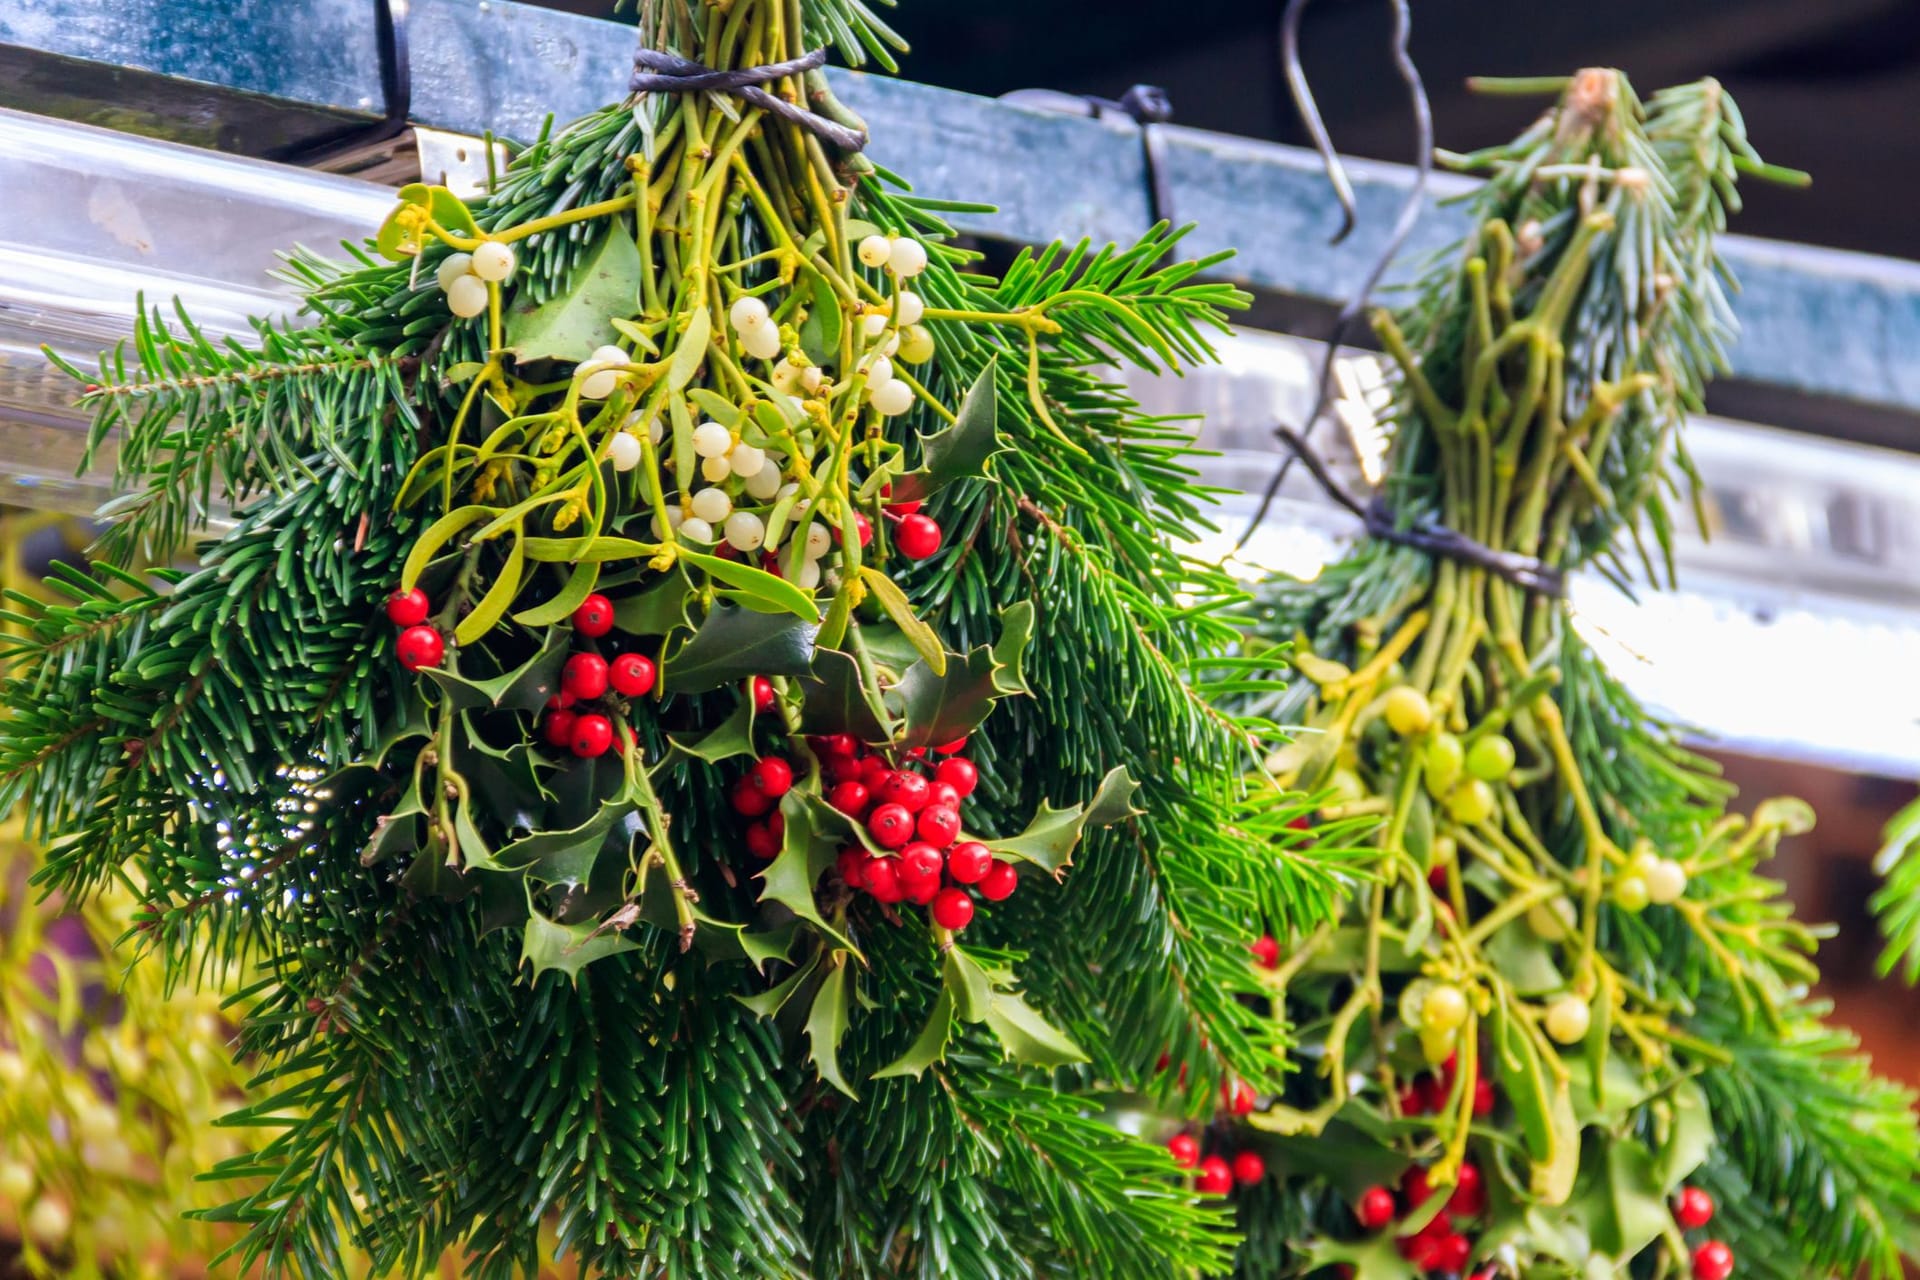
{"type": "Point", "coordinates": [657, 72]}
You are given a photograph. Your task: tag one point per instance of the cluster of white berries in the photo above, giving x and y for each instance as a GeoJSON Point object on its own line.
{"type": "Point", "coordinates": [759, 336]}
{"type": "Point", "coordinates": [600, 373]}
{"type": "Point", "coordinates": [464, 277]}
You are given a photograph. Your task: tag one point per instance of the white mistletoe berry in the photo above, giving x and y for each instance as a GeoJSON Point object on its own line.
{"type": "Point", "coordinates": [818, 540]}
{"type": "Point", "coordinates": [467, 297]}
{"type": "Point", "coordinates": [712, 505]}
{"type": "Point", "coordinates": [746, 531]}
{"type": "Point", "coordinates": [747, 461]}
{"type": "Point", "coordinates": [598, 381]}
{"type": "Point", "coordinates": [694, 529]}
{"type": "Point", "coordinates": [493, 261]}
{"type": "Point", "coordinates": [655, 429]}
{"type": "Point", "coordinates": [908, 258]}
{"type": "Point", "coordinates": [711, 440]}
{"type": "Point", "coordinates": [762, 343]}
{"type": "Point", "coordinates": [810, 378]}
{"type": "Point", "coordinates": [747, 313]}
{"type": "Point", "coordinates": [623, 451]}
{"type": "Point", "coordinates": [875, 250]}
{"type": "Point", "coordinates": [874, 323]}
{"type": "Point", "coordinates": [908, 308]}
{"type": "Point", "coordinates": [879, 372]}
{"type": "Point", "coordinates": [893, 399]}
{"type": "Point", "coordinates": [764, 483]}
{"type": "Point", "coordinates": [714, 470]}
{"type": "Point", "coordinates": [455, 266]}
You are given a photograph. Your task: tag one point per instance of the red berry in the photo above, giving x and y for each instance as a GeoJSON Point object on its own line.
{"type": "Point", "coordinates": [942, 793]}
{"type": "Point", "coordinates": [958, 745]}
{"type": "Point", "coordinates": [904, 507]}
{"type": "Point", "coordinates": [408, 608]}
{"type": "Point", "coordinates": [1483, 1099]}
{"type": "Point", "coordinates": [852, 865]}
{"type": "Point", "coordinates": [839, 769]}
{"type": "Point", "coordinates": [849, 798]}
{"type": "Point", "coordinates": [882, 879]}
{"type": "Point", "coordinates": [1248, 1168]}
{"type": "Point", "coordinates": [917, 537]}
{"type": "Point", "coordinates": [998, 884]}
{"type": "Point", "coordinates": [890, 825]}
{"type": "Point", "coordinates": [1184, 1150]}
{"type": "Point", "coordinates": [584, 676]}
{"type": "Point", "coordinates": [1266, 951]}
{"type": "Point", "coordinates": [772, 775]}
{"type": "Point", "coordinates": [1692, 1208]}
{"type": "Point", "coordinates": [1712, 1261]}
{"type": "Point", "coordinates": [874, 772]}
{"type": "Point", "coordinates": [748, 800]}
{"type": "Point", "coordinates": [907, 789]}
{"type": "Point", "coordinates": [594, 617]}
{"type": "Point", "coordinates": [1422, 1250]}
{"type": "Point", "coordinates": [938, 825]}
{"type": "Point", "coordinates": [1469, 1198]}
{"type": "Point", "coordinates": [968, 861]}
{"type": "Point", "coordinates": [1415, 1187]}
{"type": "Point", "coordinates": [959, 773]}
{"type": "Point", "coordinates": [1452, 1253]}
{"type": "Point", "coordinates": [1375, 1208]}
{"type": "Point", "coordinates": [561, 701]}
{"type": "Point", "coordinates": [1437, 879]}
{"type": "Point", "coordinates": [592, 735]}
{"type": "Point", "coordinates": [420, 647]}
{"type": "Point", "coordinates": [1215, 1179]}
{"type": "Point", "coordinates": [1237, 1097]}
{"type": "Point", "coordinates": [763, 698]}
{"type": "Point", "coordinates": [559, 729]}
{"type": "Point", "coordinates": [631, 675]}
{"type": "Point", "coordinates": [839, 745]}
{"type": "Point", "coordinates": [1421, 1097]}
{"type": "Point", "coordinates": [920, 861]}
{"type": "Point", "coordinates": [862, 526]}
{"type": "Point", "coordinates": [952, 909]}
{"type": "Point", "coordinates": [761, 842]}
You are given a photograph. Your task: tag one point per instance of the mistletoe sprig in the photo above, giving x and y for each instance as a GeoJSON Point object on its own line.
{"type": "Point", "coordinates": [1540, 1018]}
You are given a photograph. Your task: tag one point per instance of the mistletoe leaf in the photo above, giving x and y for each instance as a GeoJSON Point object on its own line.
{"type": "Point", "coordinates": [774, 593]}
{"type": "Point", "coordinates": [838, 701]}
{"type": "Point", "coordinates": [963, 449]}
{"type": "Point", "coordinates": [731, 737]}
{"type": "Point", "coordinates": [1542, 1103]}
{"type": "Point", "coordinates": [735, 643]}
{"type": "Point", "coordinates": [436, 536]}
{"type": "Point", "coordinates": [1050, 839]}
{"type": "Point", "coordinates": [568, 326]}
{"type": "Point", "coordinates": [568, 948]}
{"type": "Point", "coordinates": [580, 585]}
{"type": "Point", "coordinates": [827, 1023]}
{"type": "Point", "coordinates": [1689, 1136]}
{"type": "Point", "coordinates": [659, 610]}
{"type": "Point", "coordinates": [1622, 1203]}
{"type": "Point", "coordinates": [692, 349]}
{"type": "Point", "coordinates": [396, 240]}
{"type": "Point", "coordinates": [820, 331]}
{"type": "Point", "coordinates": [929, 1047]}
{"type": "Point", "coordinates": [524, 688]}
{"type": "Point", "coordinates": [492, 606]}
{"type": "Point", "coordinates": [900, 609]}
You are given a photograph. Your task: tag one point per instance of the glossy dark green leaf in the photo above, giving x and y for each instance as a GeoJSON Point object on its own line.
{"type": "Point", "coordinates": [837, 701]}
{"type": "Point", "coordinates": [769, 1002]}
{"type": "Point", "coordinates": [657, 611]}
{"type": "Point", "coordinates": [524, 688]}
{"type": "Point", "coordinates": [827, 1022]}
{"type": "Point", "coordinates": [964, 448]}
{"type": "Point", "coordinates": [568, 948]}
{"type": "Point", "coordinates": [1050, 839]}
{"type": "Point", "coordinates": [734, 644]}
{"type": "Point", "coordinates": [731, 737]}
{"type": "Point", "coordinates": [569, 325]}
{"type": "Point", "coordinates": [566, 857]}
{"type": "Point", "coordinates": [929, 1047]}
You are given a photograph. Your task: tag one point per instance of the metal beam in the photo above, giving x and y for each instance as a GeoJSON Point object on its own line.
{"type": "Point", "coordinates": [261, 75]}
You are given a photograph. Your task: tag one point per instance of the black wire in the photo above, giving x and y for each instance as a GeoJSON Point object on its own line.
{"type": "Point", "coordinates": [657, 72]}
{"type": "Point", "coordinates": [1403, 226]}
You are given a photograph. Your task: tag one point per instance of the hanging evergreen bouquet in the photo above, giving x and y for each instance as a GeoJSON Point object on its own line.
{"type": "Point", "coordinates": [1565, 1031]}
{"type": "Point", "coordinates": [697, 720]}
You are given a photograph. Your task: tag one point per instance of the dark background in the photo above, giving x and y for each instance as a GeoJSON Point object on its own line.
{"type": "Point", "coordinates": [1830, 86]}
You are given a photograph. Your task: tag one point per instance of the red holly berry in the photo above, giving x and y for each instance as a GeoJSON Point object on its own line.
{"type": "Point", "coordinates": [1421, 1249]}
{"type": "Point", "coordinates": [762, 843]}
{"type": "Point", "coordinates": [559, 728]}
{"type": "Point", "coordinates": [748, 800]}
{"type": "Point", "coordinates": [1692, 1208]}
{"type": "Point", "coordinates": [902, 508]}
{"type": "Point", "coordinates": [1483, 1099]}
{"type": "Point", "coordinates": [852, 865]}
{"type": "Point", "coordinates": [959, 773]}
{"type": "Point", "coordinates": [1469, 1198]}
{"type": "Point", "coordinates": [594, 617]}
{"type": "Point", "coordinates": [772, 775]}
{"type": "Point", "coordinates": [920, 861]}
{"type": "Point", "coordinates": [882, 879]}
{"type": "Point", "coordinates": [942, 793]}
{"type": "Point", "coordinates": [1712, 1261]}
{"type": "Point", "coordinates": [952, 909]}
{"type": "Point", "coordinates": [839, 745]}
{"type": "Point", "coordinates": [917, 537]}
{"type": "Point", "coordinates": [408, 608]}
{"type": "Point", "coordinates": [1266, 951]}
{"type": "Point", "coordinates": [1248, 1168]}
{"type": "Point", "coordinates": [592, 735]}
{"type": "Point", "coordinates": [938, 825]}
{"type": "Point", "coordinates": [907, 789]}
{"type": "Point", "coordinates": [839, 769]}
{"type": "Point", "coordinates": [420, 647]}
{"type": "Point", "coordinates": [561, 701]}
{"type": "Point", "coordinates": [849, 798]}
{"type": "Point", "coordinates": [763, 698]}
{"type": "Point", "coordinates": [631, 675]}
{"type": "Point", "coordinates": [584, 676]}
{"type": "Point", "coordinates": [1422, 1097]}
{"type": "Point", "coordinates": [1437, 878]}
{"type": "Point", "coordinates": [1237, 1097]}
{"type": "Point", "coordinates": [999, 882]}
{"type": "Point", "coordinates": [1415, 1187]}
{"type": "Point", "coordinates": [1452, 1253]}
{"type": "Point", "coordinates": [890, 825]}
{"type": "Point", "coordinates": [968, 861]}
{"type": "Point", "coordinates": [1184, 1150]}
{"type": "Point", "coordinates": [1215, 1179]}
{"type": "Point", "coordinates": [874, 772]}
{"type": "Point", "coordinates": [1375, 1208]}
{"type": "Point", "coordinates": [958, 745]}
{"type": "Point", "coordinates": [862, 526]}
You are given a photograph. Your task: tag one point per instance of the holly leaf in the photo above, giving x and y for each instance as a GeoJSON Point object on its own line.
{"type": "Point", "coordinates": [731, 737]}
{"type": "Point", "coordinates": [1620, 1194]}
{"type": "Point", "coordinates": [827, 1023]}
{"type": "Point", "coordinates": [1050, 839]}
{"type": "Point", "coordinates": [1689, 1136]}
{"type": "Point", "coordinates": [939, 707]}
{"type": "Point", "coordinates": [805, 853]}
{"type": "Point", "coordinates": [657, 611]}
{"type": "Point", "coordinates": [1373, 1257]}
{"type": "Point", "coordinates": [568, 326]}
{"type": "Point", "coordinates": [964, 448]}
{"type": "Point", "coordinates": [524, 688]}
{"type": "Point", "coordinates": [774, 999]}
{"type": "Point", "coordinates": [735, 643]}
{"type": "Point", "coordinates": [929, 1047]}
{"type": "Point", "coordinates": [838, 701]}
{"type": "Point", "coordinates": [568, 948]}
{"type": "Point", "coordinates": [1026, 1036]}
{"type": "Point", "coordinates": [399, 831]}
{"type": "Point", "coordinates": [566, 857]}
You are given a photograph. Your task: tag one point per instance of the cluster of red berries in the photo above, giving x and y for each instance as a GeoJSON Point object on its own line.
{"type": "Point", "coordinates": [577, 719]}
{"type": "Point", "coordinates": [911, 813]}
{"type": "Point", "coordinates": [1428, 1093]}
{"type": "Point", "coordinates": [1692, 1210]}
{"type": "Point", "coordinates": [418, 645]}
{"type": "Point", "coordinates": [1215, 1174]}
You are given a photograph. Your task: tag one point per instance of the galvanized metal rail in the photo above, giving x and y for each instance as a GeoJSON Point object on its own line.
{"type": "Point", "coordinates": [1831, 340]}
